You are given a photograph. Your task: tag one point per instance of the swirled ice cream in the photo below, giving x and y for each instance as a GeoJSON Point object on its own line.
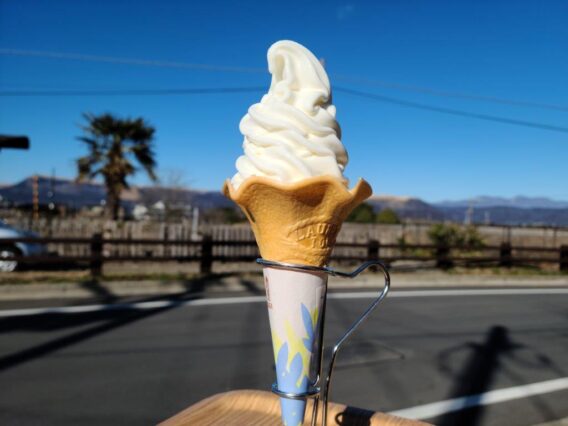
{"type": "Point", "coordinates": [292, 133]}
{"type": "Point", "coordinates": [290, 186]}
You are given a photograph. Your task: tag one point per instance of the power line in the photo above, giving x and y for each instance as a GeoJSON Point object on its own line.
{"type": "Point", "coordinates": [449, 94]}
{"type": "Point", "coordinates": [131, 92]}
{"type": "Point", "coordinates": [220, 68]}
{"type": "Point", "coordinates": [228, 90]}
{"type": "Point", "coordinates": [129, 61]}
{"type": "Point", "coordinates": [451, 111]}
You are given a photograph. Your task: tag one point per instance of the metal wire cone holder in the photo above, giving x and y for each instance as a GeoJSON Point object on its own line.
{"type": "Point", "coordinates": [319, 390]}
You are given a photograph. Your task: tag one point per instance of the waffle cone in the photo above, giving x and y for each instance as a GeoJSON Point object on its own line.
{"type": "Point", "coordinates": [297, 222]}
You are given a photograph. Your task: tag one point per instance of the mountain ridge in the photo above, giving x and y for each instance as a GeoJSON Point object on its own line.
{"type": "Point", "coordinates": [518, 201]}
{"type": "Point", "coordinates": [518, 210]}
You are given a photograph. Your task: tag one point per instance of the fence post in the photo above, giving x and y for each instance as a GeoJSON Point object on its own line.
{"type": "Point", "coordinates": [443, 260]}
{"type": "Point", "coordinates": [564, 258]}
{"type": "Point", "coordinates": [96, 255]}
{"type": "Point", "coordinates": [506, 255]}
{"type": "Point", "coordinates": [206, 254]}
{"type": "Point", "coordinates": [373, 248]}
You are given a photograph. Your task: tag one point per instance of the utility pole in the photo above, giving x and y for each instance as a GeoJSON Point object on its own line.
{"type": "Point", "coordinates": [468, 220]}
{"type": "Point", "coordinates": [195, 224]}
{"type": "Point", "coordinates": [51, 192]}
{"type": "Point", "coordinates": [35, 197]}
{"type": "Point", "coordinates": [21, 142]}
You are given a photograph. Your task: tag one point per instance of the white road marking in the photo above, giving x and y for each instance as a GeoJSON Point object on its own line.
{"type": "Point", "coordinates": [158, 304]}
{"type": "Point", "coordinates": [428, 411]}
{"type": "Point", "coordinates": [452, 292]}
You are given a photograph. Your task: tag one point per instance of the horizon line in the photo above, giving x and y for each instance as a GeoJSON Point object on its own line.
{"type": "Point", "coordinates": [378, 195]}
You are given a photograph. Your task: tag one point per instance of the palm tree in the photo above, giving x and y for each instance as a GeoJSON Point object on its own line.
{"type": "Point", "coordinates": [114, 144]}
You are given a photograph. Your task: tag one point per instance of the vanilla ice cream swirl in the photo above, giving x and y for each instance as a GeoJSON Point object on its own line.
{"type": "Point", "coordinates": [292, 133]}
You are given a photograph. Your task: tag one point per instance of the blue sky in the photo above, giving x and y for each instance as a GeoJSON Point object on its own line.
{"type": "Point", "coordinates": [515, 50]}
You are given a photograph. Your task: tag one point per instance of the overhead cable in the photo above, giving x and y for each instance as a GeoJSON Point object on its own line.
{"type": "Point", "coordinates": [132, 92]}
{"type": "Point", "coordinates": [449, 94]}
{"type": "Point", "coordinates": [129, 61]}
{"type": "Point", "coordinates": [410, 104]}
{"type": "Point", "coordinates": [221, 68]}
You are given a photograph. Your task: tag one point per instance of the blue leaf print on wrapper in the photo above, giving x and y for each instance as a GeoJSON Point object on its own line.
{"type": "Point", "coordinates": [292, 374]}
{"type": "Point", "coordinates": [287, 378]}
{"type": "Point", "coordinates": [308, 341]}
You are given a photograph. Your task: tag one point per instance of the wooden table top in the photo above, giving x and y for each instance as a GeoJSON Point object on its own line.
{"type": "Point", "coordinates": [259, 408]}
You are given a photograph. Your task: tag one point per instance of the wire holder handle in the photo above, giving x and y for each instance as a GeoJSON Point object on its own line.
{"type": "Point", "coordinates": [319, 390]}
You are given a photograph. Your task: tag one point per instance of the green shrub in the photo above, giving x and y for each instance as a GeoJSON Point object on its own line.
{"type": "Point", "coordinates": [363, 213]}
{"type": "Point", "coordinates": [454, 235]}
{"type": "Point", "coordinates": [388, 217]}
{"type": "Point", "coordinates": [472, 238]}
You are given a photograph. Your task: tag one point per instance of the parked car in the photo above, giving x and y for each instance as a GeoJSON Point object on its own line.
{"type": "Point", "coordinates": [8, 251]}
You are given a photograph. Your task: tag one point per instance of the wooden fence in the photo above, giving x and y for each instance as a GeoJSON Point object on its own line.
{"type": "Point", "coordinates": [411, 233]}
{"type": "Point", "coordinates": [99, 250]}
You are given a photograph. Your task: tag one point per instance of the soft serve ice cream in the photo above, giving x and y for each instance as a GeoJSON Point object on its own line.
{"type": "Point", "coordinates": [292, 133]}
{"type": "Point", "coordinates": [290, 182]}
{"type": "Point", "coordinates": [291, 187]}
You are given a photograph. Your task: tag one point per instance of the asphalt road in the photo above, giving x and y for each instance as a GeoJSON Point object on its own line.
{"type": "Point", "coordinates": [136, 367]}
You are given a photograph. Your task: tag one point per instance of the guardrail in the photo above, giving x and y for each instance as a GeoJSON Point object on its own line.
{"type": "Point", "coordinates": [204, 252]}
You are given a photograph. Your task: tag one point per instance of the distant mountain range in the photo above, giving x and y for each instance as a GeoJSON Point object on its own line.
{"type": "Point", "coordinates": [504, 211]}
{"type": "Point", "coordinates": [407, 207]}
{"type": "Point", "coordinates": [80, 195]}
{"type": "Point", "coordinates": [515, 202]}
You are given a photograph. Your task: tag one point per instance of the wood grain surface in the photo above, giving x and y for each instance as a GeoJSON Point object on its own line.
{"type": "Point", "coordinates": [259, 408]}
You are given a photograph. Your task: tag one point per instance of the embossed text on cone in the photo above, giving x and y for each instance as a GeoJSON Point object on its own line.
{"type": "Point", "coordinates": [297, 222]}
{"type": "Point", "coordinates": [295, 303]}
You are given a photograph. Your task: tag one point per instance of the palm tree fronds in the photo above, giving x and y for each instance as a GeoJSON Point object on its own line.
{"type": "Point", "coordinates": [110, 142]}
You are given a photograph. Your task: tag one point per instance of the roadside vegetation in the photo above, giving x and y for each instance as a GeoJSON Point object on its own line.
{"type": "Point", "coordinates": [452, 235]}
{"type": "Point", "coordinates": [364, 213]}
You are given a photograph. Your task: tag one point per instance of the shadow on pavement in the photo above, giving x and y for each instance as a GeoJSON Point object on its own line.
{"type": "Point", "coordinates": [111, 319]}
{"type": "Point", "coordinates": [252, 287]}
{"type": "Point", "coordinates": [102, 294]}
{"type": "Point", "coordinates": [477, 373]}
{"type": "Point", "coordinates": [479, 370]}
{"type": "Point", "coordinates": [117, 319]}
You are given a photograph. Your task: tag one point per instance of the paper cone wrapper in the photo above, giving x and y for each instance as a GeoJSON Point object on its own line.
{"type": "Point", "coordinates": [295, 303]}
{"type": "Point", "coordinates": [297, 222]}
